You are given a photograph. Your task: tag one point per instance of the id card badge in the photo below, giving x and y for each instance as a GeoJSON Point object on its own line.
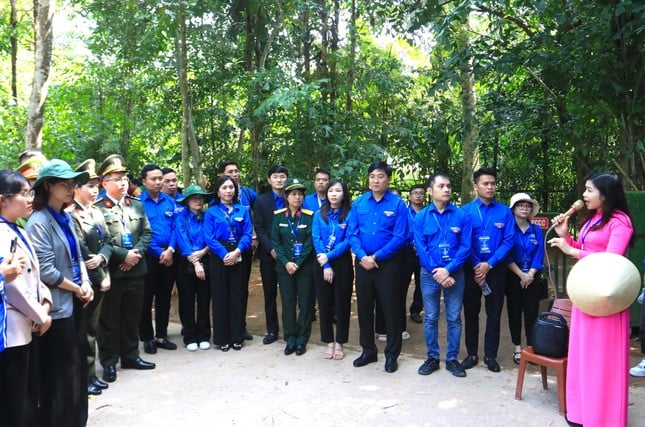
{"type": "Point", "coordinates": [445, 255]}
{"type": "Point", "coordinates": [297, 250]}
{"type": "Point", "coordinates": [126, 240]}
{"type": "Point", "coordinates": [483, 245]}
{"type": "Point", "coordinates": [525, 265]}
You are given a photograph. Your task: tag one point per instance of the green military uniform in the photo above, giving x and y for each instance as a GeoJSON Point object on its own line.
{"type": "Point", "coordinates": [94, 238]}
{"type": "Point", "coordinates": [128, 228]}
{"type": "Point", "coordinates": [287, 232]}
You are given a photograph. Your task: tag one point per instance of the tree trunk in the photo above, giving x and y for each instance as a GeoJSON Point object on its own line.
{"type": "Point", "coordinates": [351, 71]}
{"type": "Point", "coordinates": [470, 147]}
{"type": "Point", "coordinates": [189, 147]}
{"type": "Point", "coordinates": [43, 19]}
{"type": "Point", "coordinates": [13, 40]}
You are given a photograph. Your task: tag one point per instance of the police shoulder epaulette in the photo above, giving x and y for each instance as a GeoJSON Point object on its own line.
{"type": "Point", "coordinates": [307, 212]}
{"type": "Point", "coordinates": [279, 211]}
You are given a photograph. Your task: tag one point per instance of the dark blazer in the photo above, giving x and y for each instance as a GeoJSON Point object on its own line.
{"type": "Point", "coordinates": [94, 238]}
{"type": "Point", "coordinates": [263, 221]}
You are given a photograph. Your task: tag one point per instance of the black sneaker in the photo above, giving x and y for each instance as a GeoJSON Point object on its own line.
{"type": "Point", "coordinates": [455, 367]}
{"type": "Point", "coordinates": [429, 366]}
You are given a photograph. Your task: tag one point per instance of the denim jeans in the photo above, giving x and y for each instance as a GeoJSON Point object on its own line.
{"type": "Point", "coordinates": [453, 299]}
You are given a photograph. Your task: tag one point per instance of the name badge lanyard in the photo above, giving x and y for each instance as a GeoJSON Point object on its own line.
{"type": "Point", "coordinates": [585, 231]}
{"type": "Point", "coordinates": [126, 236]}
{"type": "Point", "coordinates": [445, 255]}
{"type": "Point", "coordinates": [232, 231]}
{"type": "Point", "coordinates": [484, 238]}
{"type": "Point", "coordinates": [294, 231]}
{"type": "Point", "coordinates": [333, 220]}
{"type": "Point", "coordinates": [527, 253]}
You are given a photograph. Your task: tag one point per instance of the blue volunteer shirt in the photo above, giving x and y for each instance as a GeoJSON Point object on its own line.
{"type": "Point", "coordinates": [247, 197]}
{"type": "Point", "coordinates": [493, 229]}
{"type": "Point", "coordinates": [442, 238]}
{"type": "Point", "coordinates": [378, 228]}
{"type": "Point", "coordinates": [221, 225]}
{"type": "Point", "coordinates": [3, 313]}
{"type": "Point", "coordinates": [527, 251]}
{"type": "Point", "coordinates": [313, 203]}
{"type": "Point", "coordinates": [161, 215]}
{"type": "Point", "coordinates": [189, 232]}
{"type": "Point", "coordinates": [330, 237]}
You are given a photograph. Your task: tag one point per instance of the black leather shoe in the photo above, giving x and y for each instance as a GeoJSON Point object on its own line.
{"type": "Point", "coordinates": [470, 362]}
{"type": "Point", "coordinates": [150, 347]}
{"type": "Point", "coordinates": [416, 318]}
{"type": "Point", "coordinates": [492, 364]}
{"type": "Point", "coordinates": [455, 368]}
{"type": "Point", "coordinates": [364, 359]}
{"type": "Point", "coordinates": [224, 347]}
{"type": "Point", "coordinates": [289, 349]}
{"type": "Point", "coordinates": [166, 345]}
{"type": "Point", "coordinates": [97, 382]}
{"type": "Point", "coordinates": [93, 390]}
{"type": "Point", "coordinates": [247, 336]}
{"type": "Point", "coordinates": [429, 366]}
{"type": "Point", "coordinates": [391, 365]}
{"type": "Point", "coordinates": [301, 349]}
{"type": "Point", "coordinates": [137, 363]}
{"type": "Point", "coordinates": [237, 346]}
{"type": "Point", "coordinates": [109, 373]}
{"type": "Point", "coordinates": [270, 338]}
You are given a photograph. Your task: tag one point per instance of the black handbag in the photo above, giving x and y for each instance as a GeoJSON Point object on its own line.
{"type": "Point", "coordinates": [550, 335]}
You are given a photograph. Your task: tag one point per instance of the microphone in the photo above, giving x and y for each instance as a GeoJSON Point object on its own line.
{"type": "Point", "coordinates": [575, 207]}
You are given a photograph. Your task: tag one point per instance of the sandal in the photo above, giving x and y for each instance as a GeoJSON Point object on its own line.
{"type": "Point", "coordinates": [338, 352]}
{"type": "Point", "coordinates": [329, 351]}
{"type": "Point", "coordinates": [516, 357]}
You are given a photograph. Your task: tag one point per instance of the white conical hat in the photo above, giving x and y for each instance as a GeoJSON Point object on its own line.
{"type": "Point", "coordinates": [603, 283]}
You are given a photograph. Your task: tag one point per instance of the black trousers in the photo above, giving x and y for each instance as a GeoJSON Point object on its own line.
{"type": "Point", "coordinates": [247, 260]}
{"type": "Point", "coordinates": [494, 303]}
{"type": "Point", "coordinates": [63, 371]}
{"type": "Point", "coordinates": [17, 407]}
{"type": "Point", "coordinates": [414, 267]}
{"type": "Point", "coordinates": [226, 292]}
{"type": "Point", "coordinates": [270, 287]}
{"type": "Point", "coordinates": [119, 321]}
{"type": "Point", "coordinates": [335, 298]}
{"type": "Point", "coordinates": [521, 301]}
{"type": "Point", "coordinates": [196, 326]}
{"type": "Point", "coordinates": [382, 285]}
{"type": "Point", "coordinates": [641, 332]}
{"type": "Point", "coordinates": [158, 286]}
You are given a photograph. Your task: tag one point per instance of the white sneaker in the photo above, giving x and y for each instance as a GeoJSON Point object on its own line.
{"type": "Point", "coordinates": [638, 370]}
{"type": "Point", "coordinates": [405, 335]}
{"type": "Point", "coordinates": [192, 346]}
{"type": "Point", "coordinates": [381, 337]}
{"type": "Point", "coordinates": [204, 345]}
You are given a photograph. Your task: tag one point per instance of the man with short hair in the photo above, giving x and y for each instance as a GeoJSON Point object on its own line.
{"type": "Point", "coordinates": [265, 205]}
{"type": "Point", "coordinates": [493, 228]}
{"type": "Point", "coordinates": [315, 200]}
{"type": "Point", "coordinates": [169, 183]}
{"type": "Point", "coordinates": [442, 236]}
{"type": "Point", "coordinates": [161, 212]}
{"type": "Point", "coordinates": [130, 235]}
{"type": "Point", "coordinates": [247, 197]}
{"type": "Point", "coordinates": [416, 202]}
{"type": "Point", "coordinates": [378, 229]}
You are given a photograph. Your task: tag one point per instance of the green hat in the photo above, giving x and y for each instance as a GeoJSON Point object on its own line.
{"type": "Point", "coordinates": [194, 190]}
{"type": "Point", "coordinates": [294, 184]}
{"type": "Point", "coordinates": [112, 163]}
{"type": "Point", "coordinates": [88, 166]}
{"type": "Point", "coordinates": [59, 169]}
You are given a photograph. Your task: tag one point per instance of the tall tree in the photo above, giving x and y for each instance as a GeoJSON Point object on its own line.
{"type": "Point", "coordinates": [43, 31]}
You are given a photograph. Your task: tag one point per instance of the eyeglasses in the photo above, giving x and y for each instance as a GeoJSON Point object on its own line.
{"type": "Point", "coordinates": [524, 206]}
{"type": "Point", "coordinates": [70, 185]}
{"type": "Point", "coordinates": [417, 193]}
{"type": "Point", "coordinates": [27, 194]}
{"type": "Point", "coordinates": [122, 179]}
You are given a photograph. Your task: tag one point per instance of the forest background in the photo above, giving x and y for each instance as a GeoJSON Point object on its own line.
{"type": "Point", "coordinates": [544, 91]}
